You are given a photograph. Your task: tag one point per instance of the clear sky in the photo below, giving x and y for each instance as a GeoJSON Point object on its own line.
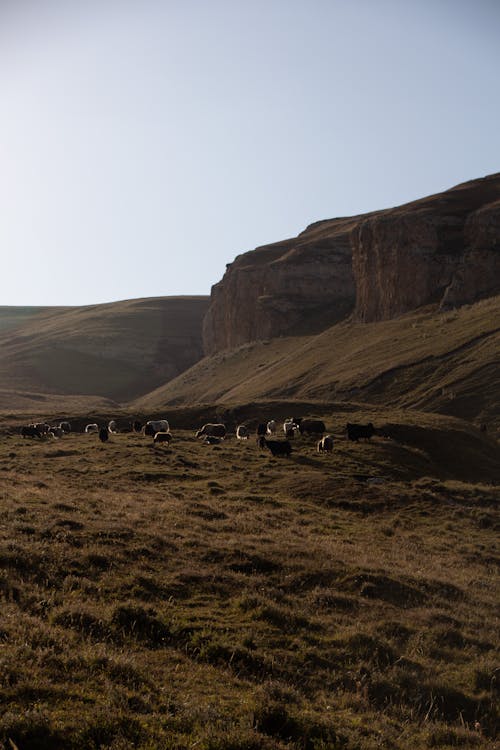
{"type": "Point", "coordinates": [144, 144]}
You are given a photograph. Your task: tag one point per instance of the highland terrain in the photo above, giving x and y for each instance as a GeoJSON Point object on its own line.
{"type": "Point", "coordinates": [214, 597]}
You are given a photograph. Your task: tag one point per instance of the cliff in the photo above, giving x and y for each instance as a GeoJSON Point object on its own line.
{"type": "Point", "coordinates": [297, 286]}
{"type": "Point", "coordinates": [442, 250]}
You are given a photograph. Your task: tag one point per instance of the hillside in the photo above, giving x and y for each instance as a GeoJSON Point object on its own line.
{"type": "Point", "coordinates": [445, 362]}
{"type": "Point", "coordinates": [112, 351]}
{"type": "Point", "coordinates": [215, 597]}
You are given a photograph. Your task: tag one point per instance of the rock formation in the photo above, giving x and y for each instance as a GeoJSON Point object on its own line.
{"type": "Point", "coordinates": [300, 285]}
{"type": "Point", "coordinates": [442, 250]}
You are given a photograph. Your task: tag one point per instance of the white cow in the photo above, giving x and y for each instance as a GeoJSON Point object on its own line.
{"type": "Point", "coordinates": [271, 427]}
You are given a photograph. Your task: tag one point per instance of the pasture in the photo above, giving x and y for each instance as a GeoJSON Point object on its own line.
{"type": "Point", "coordinates": [215, 597]}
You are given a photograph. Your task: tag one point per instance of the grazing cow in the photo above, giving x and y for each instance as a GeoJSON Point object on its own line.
{"type": "Point", "coordinates": [112, 426]}
{"type": "Point", "coordinates": [65, 426]}
{"type": "Point", "coordinates": [277, 447]}
{"type": "Point", "coordinates": [162, 437]}
{"type": "Point", "coordinates": [242, 432]}
{"type": "Point", "coordinates": [92, 427]}
{"type": "Point", "coordinates": [271, 427]}
{"type": "Point", "coordinates": [325, 445]}
{"type": "Point", "coordinates": [154, 426]}
{"type": "Point", "coordinates": [31, 431]}
{"type": "Point", "coordinates": [357, 431]}
{"type": "Point", "coordinates": [212, 430]}
{"type": "Point", "coordinates": [103, 434]}
{"type": "Point", "coordinates": [289, 428]}
{"type": "Point", "coordinates": [137, 426]}
{"type": "Point", "coordinates": [56, 432]}
{"type": "Point", "coordinates": [212, 440]}
{"type": "Point", "coordinates": [261, 429]}
{"type": "Point", "coordinates": [311, 427]}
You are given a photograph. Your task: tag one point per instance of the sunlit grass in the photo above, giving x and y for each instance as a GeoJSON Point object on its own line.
{"type": "Point", "coordinates": [216, 597]}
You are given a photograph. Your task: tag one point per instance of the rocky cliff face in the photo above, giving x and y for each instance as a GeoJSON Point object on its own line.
{"type": "Point", "coordinates": [296, 286]}
{"type": "Point", "coordinates": [443, 250]}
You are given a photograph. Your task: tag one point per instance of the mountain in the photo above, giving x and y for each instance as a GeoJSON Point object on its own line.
{"type": "Point", "coordinates": [442, 250]}
{"type": "Point", "coordinates": [112, 351]}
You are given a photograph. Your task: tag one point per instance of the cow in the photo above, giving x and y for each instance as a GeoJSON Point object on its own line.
{"type": "Point", "coordinates": [137, 425]}
{"type": "Point", "coordinates": [289, 428]}
{"type": "Point", "coordinates": [242, 432]}
{"type": "Point", "coordinates": [103, 434]}
{"type": "Point", "coordinates": [261, 429]}
{"type": "Point", "coordinates": [212, 440]}
{"type": "Point", "coordinates": [357, 431]}
{"type": "Point", "coordinates": [42, 427]}
{"type": "Point", "coordinates": [156, 425]}
{"type": "Point", "coordinates": [92, 428]}
{"type": "Point", "coordinates": [271, 427]}
{"type": "Point", "coordinates": [277, 447]}
{"type": "Point", "coordinates": [112, 426]}
{"type": "Point", "coordinates": [30, 431]}
{"type": "Point", "coordinates": [65, 426]}
{"type": "Point", "coordinates": [56, 432]}
{"type": "Point", "coordinates": [162, 437]}
{"type": "Point", "coordinates": [212, 430]}
{"type": "Point", "coordinates": [311, 427]}
{"type": "Point", "coordinates": [325, 445]}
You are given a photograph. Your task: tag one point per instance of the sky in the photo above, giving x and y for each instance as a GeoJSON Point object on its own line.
{"type": "Point", "coordinates": [144, 144]}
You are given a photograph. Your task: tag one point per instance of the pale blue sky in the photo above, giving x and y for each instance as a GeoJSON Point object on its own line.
{"type": "Point", "coordinates": [144, 144]}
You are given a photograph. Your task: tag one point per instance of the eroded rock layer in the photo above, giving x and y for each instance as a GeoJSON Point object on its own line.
{"type": "Point", "coordinates": [442, 250]}
{"type": "Point", "coordinates": [297, 286]}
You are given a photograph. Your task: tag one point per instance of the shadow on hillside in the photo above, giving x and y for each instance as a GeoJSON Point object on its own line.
{"type": "Point", "coordinates": [306, 461]}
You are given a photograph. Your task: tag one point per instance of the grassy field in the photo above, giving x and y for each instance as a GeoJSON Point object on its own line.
{"type": "Point", "coordinates": [214, 597]}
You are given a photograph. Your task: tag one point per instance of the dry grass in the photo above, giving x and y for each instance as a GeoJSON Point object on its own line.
{"type": "Point", "coordinates": [217, 598]}
{"type": "Point", "coordinates": [115, 351]}
{"type": "Point", "coordinates": [440, 362]}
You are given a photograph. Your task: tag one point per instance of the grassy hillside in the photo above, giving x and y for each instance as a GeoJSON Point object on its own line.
{"type": "Point", "coordinates": [443, 362]}
{"type": "Point", "coordinates": [217, 598]}
{"type": "Point", "coordinates": [115, 351]}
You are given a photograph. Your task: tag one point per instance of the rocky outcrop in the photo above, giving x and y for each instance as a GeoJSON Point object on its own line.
{"type": "Point", "coordinates": [297, 286]}
{"type": "Point", "coordinates": [442, 250]}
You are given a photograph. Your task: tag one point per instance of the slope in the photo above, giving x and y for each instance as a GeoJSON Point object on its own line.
{"type": "Point", "coordinates": [117, 350]}
{"type": "Point", "coordinates": [430, 360]}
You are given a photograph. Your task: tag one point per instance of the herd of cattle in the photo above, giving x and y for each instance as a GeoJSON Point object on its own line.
{"type": "Point", "coordinates": [214, 433]}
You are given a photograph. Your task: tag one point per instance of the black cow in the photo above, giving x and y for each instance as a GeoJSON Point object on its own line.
{"type": "Point", "coordinates": [162, 437]}
{"type": "Point", "coordinates": [137, 425]}
{"type": "Point", "coordinates": [103, 434]}
{"type": "Point", "coordinates": [261, 429]}
{"type": "Point", "coordinates": [311, 427]}
{"type": "Point", "coordinates": [31, 431]}
{"type": "Point", "coordinates": [357, 431]}
{"type": "Point", "coordinates": [277, 447]}
{"type": "Point", "coordinates": [325, 445]}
